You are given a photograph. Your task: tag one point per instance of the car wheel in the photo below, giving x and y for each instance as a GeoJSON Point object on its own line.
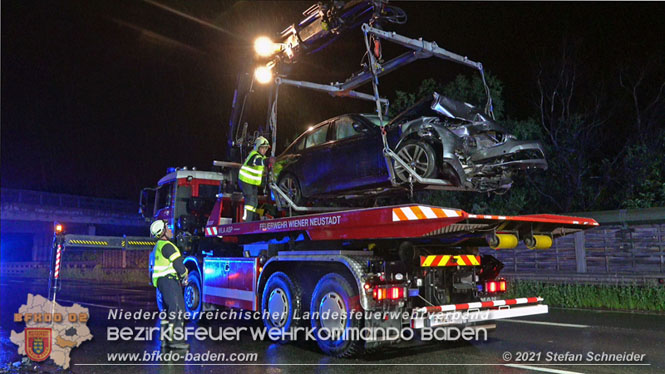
{"type": "Point", "coordinates": [290, 185]}
{"type": "Point", "coordinates": [281, 303]}
{"type": "Point", "coordinates": [420, 156]}
{"type": "Point", "coordinates": [334, 309]}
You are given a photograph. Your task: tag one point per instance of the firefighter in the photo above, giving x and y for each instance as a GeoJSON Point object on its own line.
{"type": "Point", "coordinates": [168, 273]}
{"type": "Point", "coordinates": [251, 177]}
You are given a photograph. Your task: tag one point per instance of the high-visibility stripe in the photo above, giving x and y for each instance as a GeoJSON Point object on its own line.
{"type": "Point", "coordinates": [428, 260]}
{"type": "Point", "coordinates": [443, 260]}
{"type": "Point", "coordinates": [250, 208]}
{"type": "Point", "coordinates": [428, 212]}
{"type": "Point", "coordinates": [451, 213]}
{"type": "Point", "coordinates": [251, 170]}
{"type": "Point", "coordinates": [250, 176]}
{"type": "Point", "coordinates": [417, 212]}
{"type": "Point", "coordinates": [449, 260]}
{"type": "Point", "coordinates": [133, 242]}
{"type": "Point", "coordinates": [88, 242]}
{"type": "Point", "coordinates": [439, 213]}
{"type": "Point", "coordinates": [475, 260]}
{"type": "Point", "coordinates": [410, 215]}
{"type": "Point", "coordinates": [174, 256]}
{"type": "Point", "coordinates": [156, 274]}
{"type": "Point", "coordinates": [484, 304]}
{"type": "Point", "coordinates": [400, 216]}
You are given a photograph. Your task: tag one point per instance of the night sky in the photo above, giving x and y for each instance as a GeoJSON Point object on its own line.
{"type": "Point", "coordinates": [99, 98]}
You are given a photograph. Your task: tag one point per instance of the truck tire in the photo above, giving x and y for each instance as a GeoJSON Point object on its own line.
{"type": "Point", "coordinates": [194, 296]}
{"type": "Point", "coordinates": [281, 295]}
{"type": "Point", "coordinates": [334, 294]}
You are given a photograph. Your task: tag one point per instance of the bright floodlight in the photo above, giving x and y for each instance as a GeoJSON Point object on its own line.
{"type": "Point", "coordinates": [263, 74]}
{"type": "Point", "coordinates": [264, 47]}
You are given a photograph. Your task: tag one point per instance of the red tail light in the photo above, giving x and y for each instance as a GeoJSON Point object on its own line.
{"type": "Point", "coordinates": [379, 293]}
{"type": "Point", "coordinates": [496, 286]}
{"type": "Point", "coordinates": [390, 293]}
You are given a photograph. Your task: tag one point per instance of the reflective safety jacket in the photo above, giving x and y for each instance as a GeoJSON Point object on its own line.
{"type": "Point", "coordinates": [251, 171]}
{"type": "Point", "coordinates": [163, 266]}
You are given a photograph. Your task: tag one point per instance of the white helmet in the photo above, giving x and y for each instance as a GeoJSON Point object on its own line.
{"type": "Point", "coordinates": [158, 228]}
{"type": "Point", "coordinates": [261, 142]}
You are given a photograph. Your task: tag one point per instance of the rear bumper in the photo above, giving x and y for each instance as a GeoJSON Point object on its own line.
{"type": "Point", "coordinates": [462, 314]}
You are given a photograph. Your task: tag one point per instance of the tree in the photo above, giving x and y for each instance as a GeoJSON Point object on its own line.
{"type": "Point", "coordinates": [642, 171]}
{"type": "Point", "coordinates": [462, 88]}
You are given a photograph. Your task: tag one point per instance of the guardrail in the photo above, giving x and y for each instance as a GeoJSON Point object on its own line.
{"type": "Point", "coordinates": [627, 244]}
{"type": "Point", "coordinates": [109, 242]}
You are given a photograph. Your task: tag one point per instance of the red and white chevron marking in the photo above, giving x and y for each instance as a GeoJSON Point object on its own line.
{"type": "Point", "coordinates": [58, 255]}
{"type": "Point", "coordinates": [211, 231]}
{"type": "Point", "coordinates": [416, 212]}
{"type": "Point", "coordinates": [478, 305]}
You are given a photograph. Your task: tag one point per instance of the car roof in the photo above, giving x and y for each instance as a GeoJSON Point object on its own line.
{"type": "Point", "coordinates": [370, 117]}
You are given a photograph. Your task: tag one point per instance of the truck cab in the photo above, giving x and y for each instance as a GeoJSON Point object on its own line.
{"type": "Point", "coordinates": [185, 197]}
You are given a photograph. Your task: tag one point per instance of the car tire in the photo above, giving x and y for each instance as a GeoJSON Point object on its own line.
{"type": "Point", "coordinates": [193, 295]}
{"type": "Point", "coordinates": [420, 156]}
{"type": "Point", "coordinates": [282, 295]}
{"type": "Point", "coordinates": [290, 185]}
{"type": "Point", "coordinates": [334, 294]}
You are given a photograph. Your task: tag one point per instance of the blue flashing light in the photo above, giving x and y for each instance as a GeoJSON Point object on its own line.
{"type": "Point", "coordinates": [279, 241]}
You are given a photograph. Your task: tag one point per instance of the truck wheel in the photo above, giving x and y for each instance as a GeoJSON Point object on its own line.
{"type": "Point", "coordinates": [282, 301]}
{"type": "Point", "coordinates": [193, 295]}
{"type": "Point", "coordinates": [333, 302]}
{"type": "Point", "coordinates": [420, 157]}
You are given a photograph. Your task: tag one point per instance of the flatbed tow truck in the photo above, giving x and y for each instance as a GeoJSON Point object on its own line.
{"type": "Point", "coordinates": [404, 266]}
{"type": "Point", "coordinates": [418, 259]}
{"type": "Point", "coordinates": [417, 266]}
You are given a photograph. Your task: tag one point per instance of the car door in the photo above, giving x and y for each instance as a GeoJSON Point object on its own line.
{"type": "Point", "coordinates": [315, 161]}
{"type": "Point", "coordinates": [354, 154]}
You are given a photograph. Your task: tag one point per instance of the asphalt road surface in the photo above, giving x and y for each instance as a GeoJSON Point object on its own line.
{"type": "Point", "coordinates": [551, 341]}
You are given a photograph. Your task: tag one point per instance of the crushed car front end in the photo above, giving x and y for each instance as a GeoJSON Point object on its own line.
{"type": "Point", "coordinates": [476, 153]}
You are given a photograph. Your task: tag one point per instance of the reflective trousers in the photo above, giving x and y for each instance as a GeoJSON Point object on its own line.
{"type": "Point", "coordinates": [173, 301]}
{"type": "Point", "coordinates": [251, 194]}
